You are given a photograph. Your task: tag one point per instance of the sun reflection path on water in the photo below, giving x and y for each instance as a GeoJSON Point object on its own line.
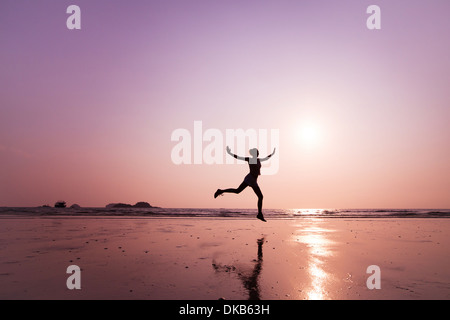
{"type": "Point", "coordinates": [318, 243]}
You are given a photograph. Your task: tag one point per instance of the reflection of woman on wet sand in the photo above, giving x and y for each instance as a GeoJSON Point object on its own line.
{"type": "Point", "coordinates": [250, 179]}
{"type": "Point", "coordinates": [250, 282]}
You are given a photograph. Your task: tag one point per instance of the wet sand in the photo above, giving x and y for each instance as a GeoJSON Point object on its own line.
{"type": "Point", "coordinates": [201, 258]}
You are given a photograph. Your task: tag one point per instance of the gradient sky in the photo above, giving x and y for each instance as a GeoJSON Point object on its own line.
{"type": "Point", "coordinates": [86, 116]}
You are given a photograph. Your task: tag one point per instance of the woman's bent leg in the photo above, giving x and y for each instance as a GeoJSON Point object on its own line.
{"type": "Point", "coordinates": [237, 190]}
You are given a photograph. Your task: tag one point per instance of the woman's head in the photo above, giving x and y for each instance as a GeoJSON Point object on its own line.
{"type": "Point", "coordinates": [254, 152]}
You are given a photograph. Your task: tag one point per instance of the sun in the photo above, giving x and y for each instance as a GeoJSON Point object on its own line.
{"type": "Point", "coordinates": [309, 134]}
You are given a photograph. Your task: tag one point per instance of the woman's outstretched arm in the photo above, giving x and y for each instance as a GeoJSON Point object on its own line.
{"type": "Point", "coordinates": [235, 156]}
{"type": "Point", "coordinates": [268, 157]}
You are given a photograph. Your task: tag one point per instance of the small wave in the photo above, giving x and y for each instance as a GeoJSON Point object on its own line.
{"type": "Point", "coordinates": [393, 211]}
{"type": "Point", "coordinates": [401, 214]}
{"type": "Point", "coordinates": [225, 213]}
{"type": "Point", "coordinates": [438, 213]}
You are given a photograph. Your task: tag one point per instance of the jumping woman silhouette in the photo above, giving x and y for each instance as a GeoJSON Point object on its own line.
{"type": "Point", "coordinates": [250, 179]}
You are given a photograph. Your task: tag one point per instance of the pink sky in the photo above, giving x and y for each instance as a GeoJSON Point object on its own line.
{"type": "Point", "coordinates": [86, 116]}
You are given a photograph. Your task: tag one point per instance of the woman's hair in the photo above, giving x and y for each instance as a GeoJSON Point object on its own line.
{"type": "Point", "coordinates": [254, 152]}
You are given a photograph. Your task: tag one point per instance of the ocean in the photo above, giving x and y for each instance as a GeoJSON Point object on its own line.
{"type": "Point", "coordinates": [28, 212]}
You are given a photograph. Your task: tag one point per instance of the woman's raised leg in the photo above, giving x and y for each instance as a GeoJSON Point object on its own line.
{"type": "Point", "coordinates": [231, 190]}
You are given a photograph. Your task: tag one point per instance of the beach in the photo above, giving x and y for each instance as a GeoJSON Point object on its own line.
{"type": "Point", "coordinates": [204, 258]}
